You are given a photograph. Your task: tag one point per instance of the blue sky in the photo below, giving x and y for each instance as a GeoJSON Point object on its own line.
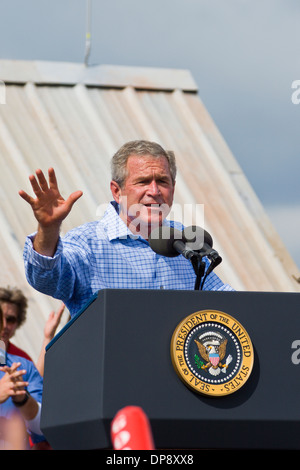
{"type": "Point", "coordinates": [243, 54]}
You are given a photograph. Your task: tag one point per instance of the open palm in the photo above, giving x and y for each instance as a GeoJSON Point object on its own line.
{"type": "Point", "coordinates": [49, 207]}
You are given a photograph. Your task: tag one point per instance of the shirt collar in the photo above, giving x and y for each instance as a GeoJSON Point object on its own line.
{"type": "Point", "coordinates": [114, 225]}
{"type": "Point", "coordinates": [116, 228]}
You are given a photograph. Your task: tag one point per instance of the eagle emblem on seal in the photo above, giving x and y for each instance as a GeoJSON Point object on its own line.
{"type": "Point", "coordinates": [212, 348]}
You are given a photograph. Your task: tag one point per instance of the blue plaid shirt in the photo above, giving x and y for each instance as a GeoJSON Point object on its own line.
{"type": "Point", "coordinates": [105, 254]}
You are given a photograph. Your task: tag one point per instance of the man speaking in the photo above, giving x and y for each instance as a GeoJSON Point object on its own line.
{"type": "Point", "coordinates": [113, 252]}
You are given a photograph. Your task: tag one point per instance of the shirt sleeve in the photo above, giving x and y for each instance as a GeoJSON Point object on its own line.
{"type": "Point", "coordinates": [35, 381]}
{"type": "Point", "coordinates": [38, 260]}
{"type": "Point", "coordinates": [56, 276]}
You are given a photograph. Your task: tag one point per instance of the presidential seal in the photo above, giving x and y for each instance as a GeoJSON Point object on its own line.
{"type": "Point", "coordinates": [212, 353]}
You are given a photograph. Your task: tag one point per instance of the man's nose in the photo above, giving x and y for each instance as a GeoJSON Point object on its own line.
{"type": "Point", "coordinates": [153, 188]}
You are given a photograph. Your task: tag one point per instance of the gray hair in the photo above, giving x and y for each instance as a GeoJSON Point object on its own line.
{"type": "Point", "coordinates": [140, 148]}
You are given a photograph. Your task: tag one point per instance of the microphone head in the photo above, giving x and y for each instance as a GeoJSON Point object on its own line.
{"type": "Point", "coordinates": [196, 237]}
{"type": "Point", "coordinates": [161, 240]}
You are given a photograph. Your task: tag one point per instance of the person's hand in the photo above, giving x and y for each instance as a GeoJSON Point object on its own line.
{"type": "Point", "coordinates": [49, 207]}
{"type": "Point", "coordinates": [12, 383]}
{"type": "Point", "coordinates": [49, 332]}
{"type": "Point", "coordinates": [53, 322]}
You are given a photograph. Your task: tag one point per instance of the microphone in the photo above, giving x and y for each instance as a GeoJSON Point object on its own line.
{"type": "Point", "coordinates": [193, 240]}
{"type": "Point", "coordinates": [130, 430]}
{"type": "Point", "coordinates": [170, 242]}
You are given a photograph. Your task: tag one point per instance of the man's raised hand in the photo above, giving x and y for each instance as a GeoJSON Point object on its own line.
{"type": "Point", "coordinates": [49, 207]}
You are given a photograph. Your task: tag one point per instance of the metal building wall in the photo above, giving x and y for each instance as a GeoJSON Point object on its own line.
{"type": "Point", "coordinates": [74, 118]}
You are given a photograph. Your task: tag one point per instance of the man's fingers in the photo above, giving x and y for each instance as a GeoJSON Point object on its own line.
{"type": "Point", "coordinates": [73, 198]}
{"type": "Point", "coordinates": [47, 194]}
{"type": "Point", "coordinates": [38, 183]}
{"type": "Point", "coordinates": [42, 180]}
{"type": "Point", "coordinates": [35, 186]}
{"type": "Point", "coordinates": [26, 197]}
{"type": "Point", "coordinates": [52, 178]}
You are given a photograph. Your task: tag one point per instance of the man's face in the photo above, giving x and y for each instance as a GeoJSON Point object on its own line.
{"type": "Point", "coordinates": [147, 195]}
{"type": "Point", "coordinates": [10, 320]}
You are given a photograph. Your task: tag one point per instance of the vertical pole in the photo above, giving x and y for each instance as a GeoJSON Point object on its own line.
{"type": "Point", "coordinates": [88, 31]}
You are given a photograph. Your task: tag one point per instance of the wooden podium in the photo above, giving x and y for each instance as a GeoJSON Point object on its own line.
{"type": "Point", "coordinates": [116, 352]}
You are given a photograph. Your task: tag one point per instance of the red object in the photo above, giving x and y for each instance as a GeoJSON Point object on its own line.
{"type": "Point", "coordinates": [130, 430]}
{"type": "Point", "coordinates": [15, 351]}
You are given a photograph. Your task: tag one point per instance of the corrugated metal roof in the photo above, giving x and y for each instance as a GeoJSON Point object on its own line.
{"type": "Point", "coordinates": [74, 118]}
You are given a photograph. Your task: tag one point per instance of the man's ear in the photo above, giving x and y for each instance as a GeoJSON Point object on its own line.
{"type": "Point", "coordinates": [115, 191]}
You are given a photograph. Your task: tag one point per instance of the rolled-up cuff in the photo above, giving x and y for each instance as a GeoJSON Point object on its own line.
{"type": "Point", "coordinates": [36, 259]}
